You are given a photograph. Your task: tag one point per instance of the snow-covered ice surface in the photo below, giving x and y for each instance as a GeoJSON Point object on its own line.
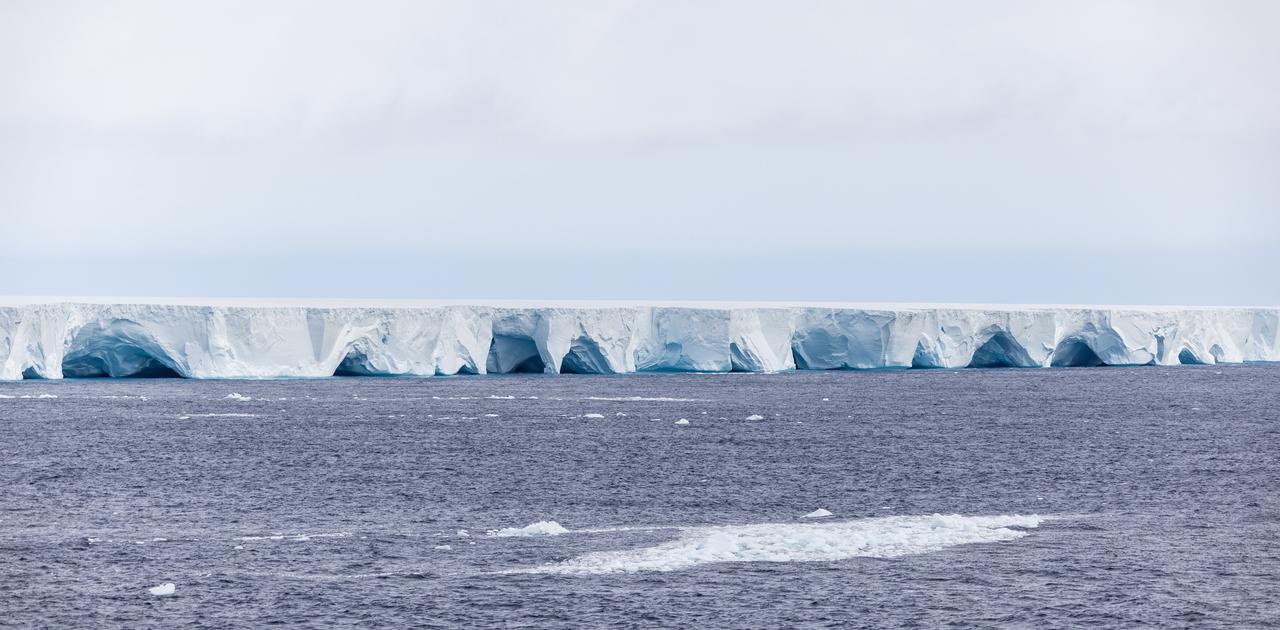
{"type": "Point", "coordinates": [291, 339]}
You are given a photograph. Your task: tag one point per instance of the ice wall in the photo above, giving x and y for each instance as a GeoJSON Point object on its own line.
{"type": "Point", "coordinates": [56, 340]}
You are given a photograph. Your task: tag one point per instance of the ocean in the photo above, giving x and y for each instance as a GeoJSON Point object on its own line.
{"type": "Point", "coordinates": [1100, 497]}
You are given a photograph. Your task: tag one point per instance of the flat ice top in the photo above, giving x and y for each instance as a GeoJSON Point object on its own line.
{"type": "Point", "coordinates": [532, 303]}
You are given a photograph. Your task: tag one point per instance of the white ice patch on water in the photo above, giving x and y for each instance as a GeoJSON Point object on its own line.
{"type": "Point", "coordinates": [682, 422]}
{"type": "Point", "coordinates": [221, 415]}
{"type": "Point", "coordinates": [818, 513]}
{"type": "Point", "coordinates": [592, 415]}
{"type": "Point", "coordinates": [755, 416]}
{"type": "Point", "coordinates": [541, 528]}
{"type": "Point", "coordinates": [163, 590]}
{"type": "Point", "coordinates": [885, 537]}
{"type": "Point", "coordinates": [237, 396]}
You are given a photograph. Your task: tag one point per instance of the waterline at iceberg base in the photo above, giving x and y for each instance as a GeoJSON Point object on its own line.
{"type": "Point", "coordinates": [244, 339]}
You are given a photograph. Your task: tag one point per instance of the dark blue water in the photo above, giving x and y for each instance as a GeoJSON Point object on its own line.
{"type": "Point", "coordinates": [330, 502]}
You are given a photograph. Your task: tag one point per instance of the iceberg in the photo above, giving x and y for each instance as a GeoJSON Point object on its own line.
{"type": "Point", "coordinates": [54, 339]}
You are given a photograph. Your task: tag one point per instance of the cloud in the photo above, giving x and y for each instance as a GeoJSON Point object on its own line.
{"type": "Point", "coordinates": [609, 71]}
{"type": "Point", "coordinates": [640, 140]}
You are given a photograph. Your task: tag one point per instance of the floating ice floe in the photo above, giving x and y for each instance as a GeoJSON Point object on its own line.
{"type": "Point", "coordinates": [818, 513]}
{"type": "Point", "coordinates": [163, 590]}
{"type": "Point", "coordinates": [755, 416]}
{"type": "Point", "coordinates": [682, 422]}
{"type": "Point", "coordinates": [883, 537]}
{"type": "Point", "coordinates": [237, 396]}
{"type": "Point", "coordinates": [442, 547]}
{"type": "Point", "coordinates": [541, 528]}
{"type": "Point", "coordinates": [592, 415]}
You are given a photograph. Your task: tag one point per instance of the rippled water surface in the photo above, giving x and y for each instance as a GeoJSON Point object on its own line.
{"type": "Point", "coordinates": [1090, 496]}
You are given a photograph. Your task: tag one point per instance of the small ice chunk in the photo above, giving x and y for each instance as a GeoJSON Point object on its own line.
{"type": "Point", "coordinates": [592, 415]}
{"type": "Point", "coordinates": [462, 533]}
{"type": "Point", "coordinates": [818, 513]}
{"type": "Point", "coordinates": [443, 547]}
{"type": "Point", "coordinates": [163, 590]}
{"type": "Point", "coordinates": [826, 400]}
{"type": "Point", "coordinates": [755, 416]}
{"type": "Point", "coordinates": [682, 422]}
{"type": "Point", "coordinates": [237, 396]}
{"type": "Point", "coordinates": [541, 528]}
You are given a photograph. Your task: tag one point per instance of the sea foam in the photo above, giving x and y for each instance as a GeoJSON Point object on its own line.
{"type": "Point", "coordinates": [541, 528]}
{"type": "Point", "coordinates": [885, 537]}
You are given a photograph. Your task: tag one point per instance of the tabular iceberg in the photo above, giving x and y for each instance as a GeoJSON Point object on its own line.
{"type": "Point", "coordinates": [79, 339]}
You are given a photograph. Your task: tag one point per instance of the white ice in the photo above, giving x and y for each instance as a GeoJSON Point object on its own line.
{"type": "Point", "coordinates": [53, 339]}
{"type": "Point", "coordinates": [818, 513]}
{"type": "Point", "coordinates": [163, 590]}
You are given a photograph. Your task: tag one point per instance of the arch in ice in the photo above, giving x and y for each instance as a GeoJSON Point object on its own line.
{"type": "Point", "coordinates": [118, 348]}
{"type": "Point", "coordinates": [1075, 352]}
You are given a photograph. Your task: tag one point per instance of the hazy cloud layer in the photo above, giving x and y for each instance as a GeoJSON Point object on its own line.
{"type": "Point", "coordinates": [566, 132]}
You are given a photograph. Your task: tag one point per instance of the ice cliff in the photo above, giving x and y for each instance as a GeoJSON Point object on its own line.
{"type": "Point", "coordinates": [78, 339]}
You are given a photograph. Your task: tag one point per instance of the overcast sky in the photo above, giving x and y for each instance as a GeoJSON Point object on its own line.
{"type": "Point", "coordinates": [1103, 152]}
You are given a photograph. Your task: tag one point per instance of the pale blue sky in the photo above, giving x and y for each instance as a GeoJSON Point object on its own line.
{"type": "Point", "coordinates": [1106, 152]}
